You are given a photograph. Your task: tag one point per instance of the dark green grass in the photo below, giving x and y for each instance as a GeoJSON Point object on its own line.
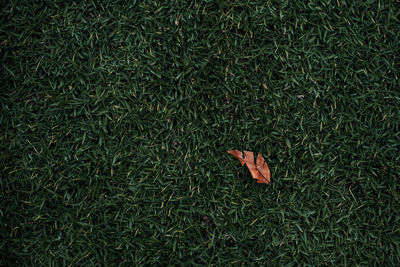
{"type": "Point", "coordinates": [115, 121]}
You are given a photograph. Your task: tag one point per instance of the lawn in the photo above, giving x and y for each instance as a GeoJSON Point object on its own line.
{"type": "Point", "coordinates": [116, 117]}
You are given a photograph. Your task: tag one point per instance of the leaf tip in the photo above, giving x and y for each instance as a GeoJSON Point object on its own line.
{"type": "Point", "coordinates": [237, 154]}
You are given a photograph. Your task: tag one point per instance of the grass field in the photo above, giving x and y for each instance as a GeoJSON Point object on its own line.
{"type": "Point", "coordinates": [116, 117]}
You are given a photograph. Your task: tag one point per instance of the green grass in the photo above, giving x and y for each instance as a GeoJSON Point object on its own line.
{"type": "Point", "coordinates": [116, 117]}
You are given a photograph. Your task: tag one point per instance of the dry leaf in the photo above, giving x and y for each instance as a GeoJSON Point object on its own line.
{"type": "Point", "coordinates": [177, 20]}
{"type": "Point", "coordinates": [237, 154]}
{"type": "Point", "coordinates": [260, 172]}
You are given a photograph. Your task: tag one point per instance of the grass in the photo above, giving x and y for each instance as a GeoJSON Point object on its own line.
{"type": "Point", "coordinates": [116, 118]}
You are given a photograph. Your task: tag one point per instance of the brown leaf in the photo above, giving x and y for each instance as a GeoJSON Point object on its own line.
{"type": "Point", "coordinates": [260, 172]}
{"type": "Point", "coordinates": [237, 154]}
{"type": "Point", "coordinates": [263, 168]}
